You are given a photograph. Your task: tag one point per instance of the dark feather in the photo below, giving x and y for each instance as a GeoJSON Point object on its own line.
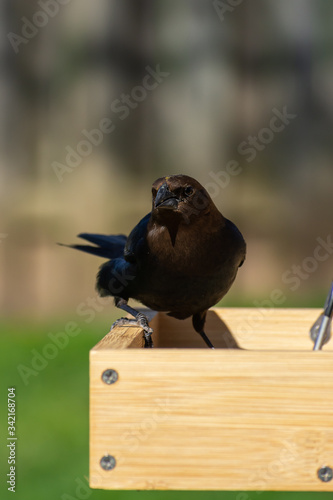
{"type": "Point", "coordinates": [136, 240]}
{"type": "Point", "coordinates": [103, 240]}
{"type": "Point", "coordinates": [109, 247]}
{"type": "Point", "coordinates": [100, 252]}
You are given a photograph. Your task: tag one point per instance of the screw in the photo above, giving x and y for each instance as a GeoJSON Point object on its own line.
{"type": "Point", "coordinates": [108, 462]}
{"type": "Point", "coordinates": [110, 376]}
{"type": "Point", "coordinates": [325, 474]}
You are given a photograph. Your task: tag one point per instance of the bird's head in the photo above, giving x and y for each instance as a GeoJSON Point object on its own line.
{"type": "Point", "coordinates": [181, 195]}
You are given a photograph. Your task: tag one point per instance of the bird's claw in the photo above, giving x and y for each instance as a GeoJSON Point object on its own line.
{"type": "Point", "coordinates": [122, 322]}
{"type": "Point", "coordinates": [147, 331]}
{"type": "Point", "coordinates": [143, 322]}
{"type": "Point", "coordinates": [140, 321]}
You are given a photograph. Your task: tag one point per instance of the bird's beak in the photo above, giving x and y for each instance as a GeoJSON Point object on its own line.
{"type": "Point", "coordinates": [165, 198]}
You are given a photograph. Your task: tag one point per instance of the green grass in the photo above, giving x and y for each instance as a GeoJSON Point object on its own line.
{"type": "Point", "coordinates": [52, 421]}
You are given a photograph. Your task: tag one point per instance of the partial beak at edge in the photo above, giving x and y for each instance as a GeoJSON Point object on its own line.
{"type": "Point", "coordinates": [166, 198]}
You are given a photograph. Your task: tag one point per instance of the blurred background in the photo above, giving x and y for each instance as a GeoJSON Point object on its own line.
{"type": "Point", "coordinates": [222, 71]}
{"type": "Point", "coordinates": [238, 96]}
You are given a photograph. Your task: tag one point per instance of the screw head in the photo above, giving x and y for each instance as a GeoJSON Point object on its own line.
{"type": "Point", "coordinates": [325, 474]}
{"type": "Point", "coordinates": [110, 376]}
{"type": "Point", "coordinates": [108, 462]}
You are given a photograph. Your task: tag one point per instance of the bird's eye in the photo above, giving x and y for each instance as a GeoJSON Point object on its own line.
{"type": "Point", "coordinates": [188, 190]}
{"type": "Point", "coordinates": [154, 192]}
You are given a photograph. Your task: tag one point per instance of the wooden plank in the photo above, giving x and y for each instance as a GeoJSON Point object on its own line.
{"type": "Point", "coordinates": [127, 337]}
{"type": "Point", "coordinates": [122, 337]}
{"type": "Point", "coordinates": [248, 328]}
{"type": "Point", "coordinates": [245, 328]}
{"type": "Point", "coordinates": [201, 419]}
{"type": "Point", "coordinates": [275, 328]}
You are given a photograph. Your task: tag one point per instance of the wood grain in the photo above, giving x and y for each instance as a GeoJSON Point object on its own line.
{"type": "Point", "coordinates": [255, 418]}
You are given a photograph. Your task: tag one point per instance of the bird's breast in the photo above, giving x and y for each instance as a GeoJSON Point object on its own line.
{"type": "Point", "coordinates": [189, 252]}
{"type": "Point", "coordinates": [191, 271]}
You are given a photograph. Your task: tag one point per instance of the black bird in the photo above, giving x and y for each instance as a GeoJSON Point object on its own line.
{"type": "Point", "coordinates": [181, 258]}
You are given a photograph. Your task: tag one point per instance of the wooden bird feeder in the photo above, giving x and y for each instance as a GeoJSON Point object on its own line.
{"type": "Point", "coordinates": [256, 413]}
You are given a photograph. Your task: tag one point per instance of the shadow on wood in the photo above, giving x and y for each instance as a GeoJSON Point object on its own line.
{"type": "Point", "coordinates": [171, 332]}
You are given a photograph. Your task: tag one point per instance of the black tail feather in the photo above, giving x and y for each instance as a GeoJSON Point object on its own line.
{"type": "Point", "coordinates": [109, 247]}
{"type": "Point", "coordinates": [103, 240]}
{"type": "Point", "coordinates": [100, 252]}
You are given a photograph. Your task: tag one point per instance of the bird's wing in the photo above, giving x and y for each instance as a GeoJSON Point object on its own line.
{"type": "Point", "coordinates": [136, 240]}
{"type": "Point", "coordinates": [238, 241]}
{"type": "Point", "coordinates": [116, 276]}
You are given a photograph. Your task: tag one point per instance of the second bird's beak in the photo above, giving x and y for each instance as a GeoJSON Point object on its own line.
{"type": "Point", "coordinates": [166, 198]}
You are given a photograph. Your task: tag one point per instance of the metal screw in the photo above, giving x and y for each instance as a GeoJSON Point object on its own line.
{"type": "Point", "coordinates": [325, 474]}
{"type": "Point", "coordinates": [110, 376]}
{"type": "Point", "coordinates": [108, 462]}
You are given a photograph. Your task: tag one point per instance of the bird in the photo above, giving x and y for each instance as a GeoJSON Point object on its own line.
{"type": "Point", "coordinates": [181, 258]}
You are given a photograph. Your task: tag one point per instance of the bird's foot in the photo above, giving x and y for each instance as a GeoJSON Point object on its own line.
{"type": "Point", "coordinates": [140, 321]}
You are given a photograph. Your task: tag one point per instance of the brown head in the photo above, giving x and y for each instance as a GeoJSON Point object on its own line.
{"type": "Point", "coordinates": [181, 196]}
